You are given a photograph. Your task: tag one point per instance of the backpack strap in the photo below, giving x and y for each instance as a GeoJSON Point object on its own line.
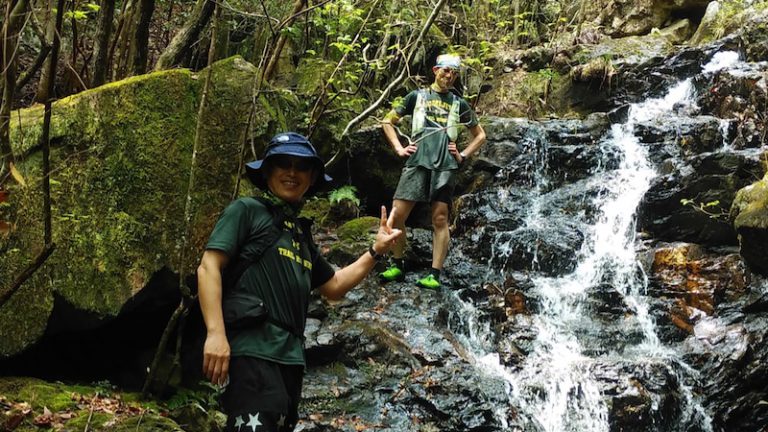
{"type": "Point", "coordinates": [235, 270]}
{"type": "Point", "coordinates": [275, 230]}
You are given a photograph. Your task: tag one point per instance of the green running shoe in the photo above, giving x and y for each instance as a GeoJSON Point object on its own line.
{"type": "Point", "coordinates": [393, 273]}
{"type": "Point", "coordinates": [428, 282]}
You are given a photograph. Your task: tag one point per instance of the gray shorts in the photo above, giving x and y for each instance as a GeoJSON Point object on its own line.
{"type": "Point", "coordinates": [420, 184]}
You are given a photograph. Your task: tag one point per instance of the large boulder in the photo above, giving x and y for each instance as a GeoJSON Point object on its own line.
{"type": "Point", "coordinates": [750, 215]}
{"type": "Point", "coordinates": [626, 18]}
{"type": "Point", "coordinates": [135, 188]}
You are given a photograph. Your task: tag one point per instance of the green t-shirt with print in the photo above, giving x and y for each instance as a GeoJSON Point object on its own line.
{"type": "Point", "coordinates": [432, 141]}
{"type": "Point", "coordinates": [283, 278]}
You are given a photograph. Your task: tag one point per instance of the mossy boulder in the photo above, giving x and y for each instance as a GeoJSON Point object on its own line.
{"type": "Point", "coordinates": [750, 215]}
{"type": "Point", "coordinates": [132, 192]}
{"type": "Point", "coordinates": [355, 236]}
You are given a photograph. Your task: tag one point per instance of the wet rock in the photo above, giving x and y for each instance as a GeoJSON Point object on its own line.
{"type": "Point", "coordinates": [690, 284]}
{"type": "Point", "coordinates": [733, 94]}
{"type": "Point", "coordinates": [732, 358]}
{"type": "Point", "coordinates": [691, 135]}
{"type": "Point", "coordinates": [641, 396]}
{"type": "Point", "coordinates": [691, 203]}
{"type": "Point", "coordinates": [551, 250]}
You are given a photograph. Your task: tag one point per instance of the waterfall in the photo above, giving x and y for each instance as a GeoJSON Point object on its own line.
{"type": "Point", "coordinates": [557, 387]}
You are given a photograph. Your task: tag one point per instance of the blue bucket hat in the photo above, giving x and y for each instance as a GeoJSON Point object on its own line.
{"type": "Point", "coordinates": [292, 144]}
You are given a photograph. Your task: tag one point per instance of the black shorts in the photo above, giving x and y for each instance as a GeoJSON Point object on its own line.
{"type": "Point", "coordinates": [262, 395]}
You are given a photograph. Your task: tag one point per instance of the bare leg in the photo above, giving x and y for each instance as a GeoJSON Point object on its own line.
{"type": "Point", "coordinates": [402, 209]}
{"type": "Point", "coordinates": [441, 236]}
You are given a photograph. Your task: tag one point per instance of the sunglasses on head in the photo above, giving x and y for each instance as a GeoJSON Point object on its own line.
{"type": "Point", "coordinates": [290, 162]}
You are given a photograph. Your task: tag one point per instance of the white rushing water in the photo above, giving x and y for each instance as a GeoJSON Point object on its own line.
{"type": "Point", "coordinates": [555, 386]}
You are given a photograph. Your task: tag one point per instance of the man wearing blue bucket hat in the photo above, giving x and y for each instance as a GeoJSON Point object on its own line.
{"type": "Point", "coordinates": [255, 279]}
{"type": "Point", "coordinates": [433, 160]}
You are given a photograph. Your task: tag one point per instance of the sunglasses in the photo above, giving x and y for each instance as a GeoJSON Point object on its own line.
{"type": "Point", "coordinates": [447, 69]}
{"type": "Point", "coordinates": [296, 163]}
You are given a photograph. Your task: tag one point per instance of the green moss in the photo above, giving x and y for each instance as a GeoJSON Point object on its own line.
{"type": "Point", "coordinates": [317, 209]}
{"type": "Point", "coordinates": [361, 229]}
{"type": "Point", "coordinates": [47, 395]}
{"type": "Point", "coordinates": [750, 206]}
{"type": "Point", "coordinates": [127, 415]}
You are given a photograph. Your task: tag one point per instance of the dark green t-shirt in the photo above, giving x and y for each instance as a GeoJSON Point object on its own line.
{"type": "Point", "coordinates": [283, 278]}
{"type": "Point", "coordinates": [432, 141]}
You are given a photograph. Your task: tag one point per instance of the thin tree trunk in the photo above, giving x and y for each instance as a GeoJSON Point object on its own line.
{"type": "Point", "coordinates": [14, 19]}
{"type": "Point", "coordinates": [180, 46]}
{"type": "Point", "coordinates": [48, 246]}
{"type": "Point", "coordinates": [281, 40]}
{"type": "Point", "coordinates": [125, 39]}
{"type": "Point", "coordinates": [47, 126]}
{"type": "Point", "coordinates": [180, 314]}
{"type": "Point", "coordinates": [50, 28]}
{"type": "Point", "coordinates": [140, 46]}
{"type": "Point", "coordinates": [118, 37]}
{"type": "Point", "coordinates": [41, 58]}
{"type": "Point", "coordinates": [101, 47]}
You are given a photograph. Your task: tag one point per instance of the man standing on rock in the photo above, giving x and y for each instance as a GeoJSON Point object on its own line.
{"type": "Point", "coordinates": [254, 280]}
{"type": "Point", "coordinates": [433, 161]}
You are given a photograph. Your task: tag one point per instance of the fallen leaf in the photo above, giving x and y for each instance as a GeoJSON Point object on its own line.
{"type": "Point", "coordinates": [17, 175]}
{"type": "Point", "coordinates": [13, 421]}
{"type": "Point", "coordinates": [44, 419]}
{"type": "Point", "coordinates": [5, 227]}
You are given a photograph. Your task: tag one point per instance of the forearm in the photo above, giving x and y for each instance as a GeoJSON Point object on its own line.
{"type": "Point", "coordinates": [348, 277]}
{"type": "Point", "coordinates": [391, 134]}
{"type": "Point", "coordinates": [478, 138]}
{"type": "Point", "coordinates": [209, 296]}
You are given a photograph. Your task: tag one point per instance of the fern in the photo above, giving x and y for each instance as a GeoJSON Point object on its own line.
{"type": "Point", "coordinates": [344, 193]}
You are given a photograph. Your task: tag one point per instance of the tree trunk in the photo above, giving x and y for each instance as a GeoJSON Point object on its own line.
{"type": "Point", "coordinates": [140, 46]}
{"type": "Point", "coordinates": [124, 40]}
{"type": "Point", "coordinates": [14, 18]}
{"type": "Point", "coordinates": [50, 29]}
{"type": "Point", "coordinates": [281, 40]}
{"type": "Point", "coordinates": [181, 44]}
{"type": "Point", "coordinates": [101, 46]}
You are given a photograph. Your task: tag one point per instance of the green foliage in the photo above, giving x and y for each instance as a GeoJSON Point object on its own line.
{"type": "Point", "coordinates": [91, 9]}
{"type": "Point", "coordinates": [206, 397]}
{"type": "Point", "coordinates": [344, 193]}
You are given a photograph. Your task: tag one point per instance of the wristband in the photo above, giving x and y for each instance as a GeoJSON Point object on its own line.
{"type": "Point", "coordinates": [463, 156]}
{"type": "Point", "coordinates": [373, 253]}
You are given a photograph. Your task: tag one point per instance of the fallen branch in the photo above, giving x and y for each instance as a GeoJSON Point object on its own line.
{"type": "Point", "coordinates": [27, 273]}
